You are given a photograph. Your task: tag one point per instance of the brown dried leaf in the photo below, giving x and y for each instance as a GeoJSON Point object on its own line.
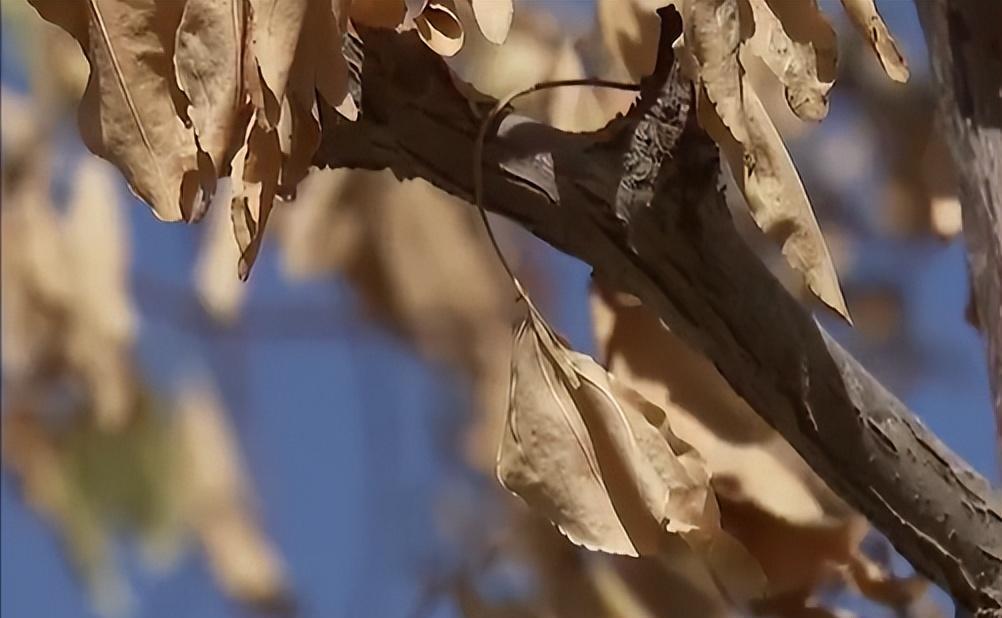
{"type": "Point", "coordinates": [128, 114]}
{"type": "Point", "coordinates": [764, 172]}
{"type": "Point", "coordinates": [242, 558]}
{"type": "Point", "coordinates": [439, 27]}
{"type": "Point", "coordinates": [209, 58]}
{"type": "Point", "coordinates": [713, 35]}
{"type": "Point", "coordinates": [799, 46]}
{"type": "Point", "coordinates": [494, 18]}
{"type": "Point", "coordinates": [758, 160]}
{"type": "Point", "coordinates": [871, 25]}
{"type": "Point", "coordinates": [770, 499]}
{"type": "Point", "coordinates": [602, 463]}
{"type": "Point", "coordinates": [275, 27]}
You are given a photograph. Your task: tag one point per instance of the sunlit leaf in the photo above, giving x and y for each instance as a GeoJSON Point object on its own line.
{"type": "Point", "coordinates": [129, 112]}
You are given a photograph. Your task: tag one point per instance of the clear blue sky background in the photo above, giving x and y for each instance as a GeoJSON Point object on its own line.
{"type": "Point", "coordinates": [340, 431]}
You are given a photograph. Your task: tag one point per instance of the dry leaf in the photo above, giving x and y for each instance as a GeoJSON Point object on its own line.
{"type": "Point", "coordinates": [275, 27]}
{"type": "Point", "coordinates": [128, 114]}
{"type": "Point", "coordinates": [764, 172]}
{"type": "Point", "coordinates": [713, 35]}
{"type": "Point", "coordinates": [209, 59]}
{"type": "Point", "coordinates": [218, 505]}
{"type": "Point", "coordinates": [494, 18]}
{"type": "Point", "coordinates": [801, 533]}
{"type": "Point", "coordinates": [868, 22]}
{"type": "Point", "coordinates": [102, 318]}
{"type": "Point", "coordinates": [255, 182]}
{"type": "Point", "coordinates": [440, 28]}
{"type": "Point", "coordinates": [798, 45]}
{"type": "Point", "coordinates": [216, 277]}
{"type": "Point", "coordinates": [603, 465]}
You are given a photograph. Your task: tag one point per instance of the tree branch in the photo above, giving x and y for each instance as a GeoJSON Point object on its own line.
{"type": "Point", "coordinates": [965, 48]}
{"type": "Point", "coordinates": [640, 202]}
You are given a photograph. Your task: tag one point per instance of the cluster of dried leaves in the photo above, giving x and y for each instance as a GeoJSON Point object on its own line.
{"type": "Point", "coordinates": [96, 453]}
{"type": "Point", "coordinates": [184, 93]}
{"type": "Point", "coordinates": [649, 454]}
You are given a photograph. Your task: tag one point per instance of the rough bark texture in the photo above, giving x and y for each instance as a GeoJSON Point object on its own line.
{"type": "Point", "coordinates": [640, 202]}
{"type": "Point", "coordinates": [965, 49]}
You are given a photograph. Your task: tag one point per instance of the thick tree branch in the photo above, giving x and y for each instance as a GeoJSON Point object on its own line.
{"type": "Point", "coordinates": [640, 202]}
{"type": "Point", "coordinates": [965, 49]}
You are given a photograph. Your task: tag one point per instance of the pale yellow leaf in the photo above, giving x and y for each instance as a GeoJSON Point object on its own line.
{"type": "Point", "coordinates": [871, 25]}
{"type": "Point", "coordinates": [494, 18]}
{"type": "Point", "coordinates": [440, 28]}
{"type": "Point", "coordinates": [129, 112]}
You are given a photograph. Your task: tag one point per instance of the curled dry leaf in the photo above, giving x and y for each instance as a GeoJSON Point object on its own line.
{"type": "Point", "coordinates": [255, 182]}
{"type": "Point", "coordinates": [603, 464]}
{"type": "Point", "coordinates": [129, 112]}
{"type": "Point", "coordinates": [494, 18]}
{"type": "Point", "coordinates": [868, 22]}
{"type": "Point", "coordinates": [439, 27]}
{"type": "Point", "coordinates": [798, 45]}
{"type": "Point", "coordinates": [763, 170]}
{"type": "Point", "coordinates": [218, 505]}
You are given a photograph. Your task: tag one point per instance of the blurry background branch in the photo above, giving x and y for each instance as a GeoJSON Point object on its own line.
{"type": "Point", "coordinates": [684, 259]}
{"type": "Point", "coordinates": [965, 48]}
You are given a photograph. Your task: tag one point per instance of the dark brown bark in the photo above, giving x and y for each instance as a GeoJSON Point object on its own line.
{"type": "Point", "coordinates": [965, 49]}
{"type": "Point", "coordinates": [640, 202]}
